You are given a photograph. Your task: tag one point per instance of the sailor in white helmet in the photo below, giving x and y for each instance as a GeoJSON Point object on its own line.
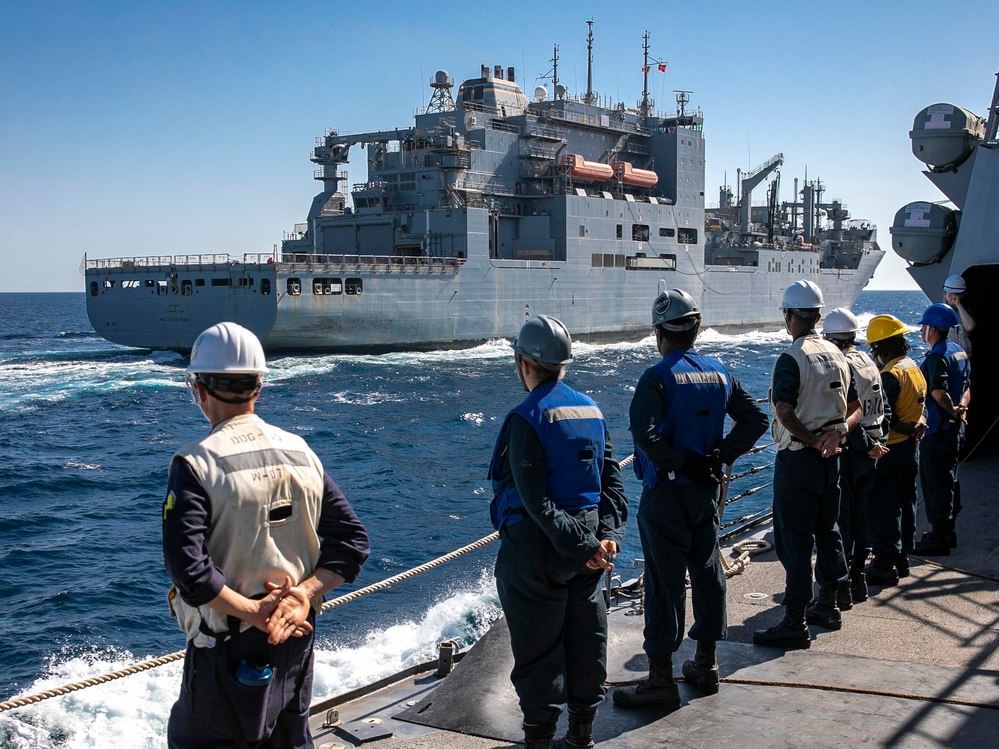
{"type": "Point", "coordinates": [814, 404]}
{"type": "Point", "coordinates": [954, 296]}
{"type": "Point", "coordinates": [864, 445]}
{"type": "Point", "coordinates": [254, 533]}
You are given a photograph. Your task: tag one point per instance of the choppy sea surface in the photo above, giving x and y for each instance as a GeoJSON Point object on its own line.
{"type": "Point", "coordinates": [87, 430]}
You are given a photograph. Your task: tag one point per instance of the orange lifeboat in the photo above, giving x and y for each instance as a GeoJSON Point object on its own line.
{"type": "Point", "coordinates": [632, 176]}
{"type": "Point", "coordinates": [580, 168]}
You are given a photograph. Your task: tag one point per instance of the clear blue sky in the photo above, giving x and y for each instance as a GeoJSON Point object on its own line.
{"type": "Point", "coordinates": [140, 128]}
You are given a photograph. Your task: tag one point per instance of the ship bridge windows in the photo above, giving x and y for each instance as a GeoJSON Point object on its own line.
{"type": "Point", "coordinates": [199, 282]}
{"type": "Point", "coordinates": [293, 286]}
{"type": "Point", "coordinates": [640, 232]}
{"type": "Point", "coordinates": [619, 231]}
{"type": "Point", "coordinates": [687, 235]}
{"type": "Point", "coordinates": [221, 282]}
{"type": "Point", "coordinates": [108, 283]}
{"type": "Point", "coordinates": [265, 286]}
{"type": "Point", "coordinates": [667, 232]}
{"type": "Point", "coordinates": [186, 288]}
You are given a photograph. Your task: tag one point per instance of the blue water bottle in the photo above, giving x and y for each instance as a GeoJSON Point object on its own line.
{"type": "Point", "coordinates": [252, 675]}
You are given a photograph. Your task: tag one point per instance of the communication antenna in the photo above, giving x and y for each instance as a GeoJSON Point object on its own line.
{"type": "Point", "coordinates": [682, 98]}
{"type": "Point", "coordinates": [589, 97]}
{"type": "Point", "coordinates": [441, 100]}
{"type": "Point", "coordinates": [552, 74]}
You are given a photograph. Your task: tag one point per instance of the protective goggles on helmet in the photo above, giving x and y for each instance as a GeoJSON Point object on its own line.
{"type": "Point", "coordinates": [238, 388]}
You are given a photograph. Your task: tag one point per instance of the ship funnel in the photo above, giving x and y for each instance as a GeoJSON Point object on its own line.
{"type": "Point", "coordinates": [485, 71]}
{"type": "Point", "coordinates": [498, 71]}
{"type": "Point", "coordinates": [509, 75]}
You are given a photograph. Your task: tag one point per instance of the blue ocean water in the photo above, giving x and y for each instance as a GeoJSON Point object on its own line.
{"type": "Point", "coordinates": [87, 430]}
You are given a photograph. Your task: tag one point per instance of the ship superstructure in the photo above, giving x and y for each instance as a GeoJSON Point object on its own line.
{"type": "Point", "coordinates": [490, 209]}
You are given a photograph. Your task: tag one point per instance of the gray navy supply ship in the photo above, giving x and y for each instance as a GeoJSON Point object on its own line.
{"type": "Point", "coordinates": [490, 209]}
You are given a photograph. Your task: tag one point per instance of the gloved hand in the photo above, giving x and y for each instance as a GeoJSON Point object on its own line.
{"type": "Point", "coordinates": [703, 469]}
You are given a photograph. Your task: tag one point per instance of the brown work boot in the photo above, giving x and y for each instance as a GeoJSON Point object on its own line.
{"type": "Point", "coordinates": [702, 672]}
{"type": "Point", "coordinates": [658, 691]}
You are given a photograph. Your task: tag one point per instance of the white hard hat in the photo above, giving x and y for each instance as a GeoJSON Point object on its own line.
{"type": "Point", "coordinates": [802, 295]}
{"type": "Point", "coordinates": [955, 285]}
{"type": "Point", "coordinates": [840, 320]}
{"type": "Point", "coordinates": [227, 348]}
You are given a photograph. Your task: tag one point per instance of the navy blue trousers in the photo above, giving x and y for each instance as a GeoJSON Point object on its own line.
{"type": "Point", "coordinates": [938, 457]}
{"type": "Point", "coordinates": [275, 716]}
{"type": "Point", "coordinates": [856, 483]}
{"type": "Point", "coordinates": [557, 620]}
{"type": "Point", "coordinates": [806, 506]}
{"type": "Point", "coordinates": [678, 525]}
{"type": "Point", "coordinates": [893, 504]}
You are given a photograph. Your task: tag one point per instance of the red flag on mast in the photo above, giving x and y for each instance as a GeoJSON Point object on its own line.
{"type": "Point", "coordinates": [662, 67]}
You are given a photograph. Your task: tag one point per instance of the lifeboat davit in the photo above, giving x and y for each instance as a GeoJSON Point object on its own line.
{"type": "Point", "coordinates": [632, 176]}
{"type": "Point", "coordinates": [580, 168]}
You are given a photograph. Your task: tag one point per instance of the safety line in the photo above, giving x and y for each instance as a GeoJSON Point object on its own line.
{"type": "Point", "coordinates": [163, 660]}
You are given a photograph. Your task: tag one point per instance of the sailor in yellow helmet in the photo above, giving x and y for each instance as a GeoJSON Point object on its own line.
{"type": "Point", "coordinates": [254, 533]}
{"type": "Point", "coordinates": [893, 505]}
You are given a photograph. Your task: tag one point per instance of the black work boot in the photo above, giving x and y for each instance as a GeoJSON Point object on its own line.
{"type": "Point", "coordinates": [935, 543]}
{"type": "Point", "coordinates": [538, 735]}
{"type": "Point", "coordinates": [658, 691]}
{"type": "Point", "coordinates": [702, 672]}
{"type": "Point", "coordinates": [902, 564]}
{"type": "Point", "coordinates": [791, 633]}
{"type": "Point", "coordinates": [844, 596]}
{"type": "Point", "coordinates": [858, 587]}
{"type": "Point", "coordinates": [824, 612]}
{"type": "Point", "coordinates": [580, 733]}
{"type": "Point", "coordinates": [882, 570]}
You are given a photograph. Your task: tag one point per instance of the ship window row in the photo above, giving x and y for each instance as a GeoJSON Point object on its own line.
{"type": "Point", "coordinates": [325, 286]}
{"type": "Point", "coordinates": [640, 232]}
{"type": "Point", "coordinates": [186, 288]}
{"type": "Point", "coordinates": [639, 261]}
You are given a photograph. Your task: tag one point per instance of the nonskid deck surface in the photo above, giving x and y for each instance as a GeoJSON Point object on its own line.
{"type": "Point", "coordinates": [914, 666]}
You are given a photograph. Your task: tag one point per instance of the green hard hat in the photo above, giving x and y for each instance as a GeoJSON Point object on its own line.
{"type": "Point", "coordinates": [544, 339]}
{"type": "Point", "coordinates": [675, 310]}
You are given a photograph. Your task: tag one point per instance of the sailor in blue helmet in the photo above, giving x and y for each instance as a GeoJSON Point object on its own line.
{"type": "Point", "coordinates": [254, 533]}
{"type": "Point", "coordinates": [947, 371]}
{"type": "Point", "coordinates": [814, 403]}
{"type": "Point", "coordinates": [560, 509]}
{"type": "Point", "coordinates": [678, 425]}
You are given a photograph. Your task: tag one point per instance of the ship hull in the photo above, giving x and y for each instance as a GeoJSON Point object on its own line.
{"type": "Point", "coordinates": [430, 305]}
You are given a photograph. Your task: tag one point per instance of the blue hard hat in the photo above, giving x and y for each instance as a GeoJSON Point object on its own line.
{"type": "Point", "coordinates": [939, 316]}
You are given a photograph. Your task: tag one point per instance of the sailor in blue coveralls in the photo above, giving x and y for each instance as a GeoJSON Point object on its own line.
{"type": "Point", "coordinates": [947, 371]}
{"type": "Point", "coordinates": [254, 533]}
{"type": "Point", "coordinates": [677, 422]}
{"type": "Point", "coordinates": [815, 404]}
{"type": "Point", "coordinates": [560, 509]}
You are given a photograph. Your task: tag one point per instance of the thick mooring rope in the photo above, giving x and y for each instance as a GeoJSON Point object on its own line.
{"type": "Point", "coordinates": [163, 660]}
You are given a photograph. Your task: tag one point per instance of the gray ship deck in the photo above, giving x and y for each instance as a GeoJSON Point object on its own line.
{"type": "Point", "coordinates": [914, 666]}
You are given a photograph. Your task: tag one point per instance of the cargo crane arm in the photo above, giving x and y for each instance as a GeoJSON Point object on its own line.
{"type": "Point", "coordinates": [334, 147]}
{"type": "Point", "coordinates": [754, 178]}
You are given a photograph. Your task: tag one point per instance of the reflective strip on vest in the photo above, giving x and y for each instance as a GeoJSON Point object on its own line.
{"type": "Point", "coordinates": [823, 379]}
{"type": "Point", "coordinates": [911, 394]}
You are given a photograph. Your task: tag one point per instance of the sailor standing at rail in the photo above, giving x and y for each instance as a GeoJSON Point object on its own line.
{"type": "Point", "coordinates": [560, 510]}
{"type": "Point", "coordinates": [254, 533]}
{"type": "Point", "coordinates": [864, 445]}
{"type": "Point", "coordinates": [814, 402]}
{"type": "Point", "coordinates": [947, 372]}
{"type": "Point", "coordinates": [678, 421]}
{"type": "Point", "coordinates": [893, 504]}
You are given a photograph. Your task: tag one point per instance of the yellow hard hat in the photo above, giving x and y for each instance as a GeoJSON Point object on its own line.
{"type": "Point", "coordinates": [885, 326]}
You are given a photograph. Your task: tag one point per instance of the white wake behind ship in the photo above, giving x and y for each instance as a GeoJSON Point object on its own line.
{"type": "Point", "coordinates": [490, 209]}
